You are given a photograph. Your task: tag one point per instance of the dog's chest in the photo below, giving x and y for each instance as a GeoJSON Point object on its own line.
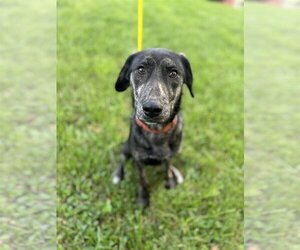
{"type": "Point", "coordinates": [152, 146]}
{"type": "Point", "coordinates": [146, 146]}
{"type": "Point", "coordinates": [158, 144]}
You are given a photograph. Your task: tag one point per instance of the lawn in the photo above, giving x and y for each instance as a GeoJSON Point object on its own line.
{"type": "Point", "coordinates": [94, 39]}
{"type": "Point", "coordinates": [272, 127]}
{"type": "Point", "coordinates": [27, 125]}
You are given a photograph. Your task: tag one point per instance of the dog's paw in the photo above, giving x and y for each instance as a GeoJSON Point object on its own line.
{"type": "Point", "coordinates": [116, 179]}
{"type": "Point", "coordinates": [177, 175]}
{"type": "Point", "coordinates": [175, 179]}
{"type": "Point", "coordinates": [118, 176]}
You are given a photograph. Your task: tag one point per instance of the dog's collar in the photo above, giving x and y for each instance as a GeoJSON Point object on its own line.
{"type": "Point", "coordinates": [165, 129]}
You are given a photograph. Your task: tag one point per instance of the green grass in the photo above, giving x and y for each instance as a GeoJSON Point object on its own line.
{"type": "Point", "coordinates": [27, 125]}
{"type": "Point", "coordinates": [272, 127]}
{"type": "Point", "coordinates": [94, 39]}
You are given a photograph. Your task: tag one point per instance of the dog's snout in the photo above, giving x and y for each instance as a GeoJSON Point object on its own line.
{"type": "Point", "coordinates": [152, 109]}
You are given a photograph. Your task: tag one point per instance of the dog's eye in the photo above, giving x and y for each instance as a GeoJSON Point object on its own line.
{"type": "Point", "coordinates": [173, 74]}
{"type": "Point", "coordinates": [141, 70]}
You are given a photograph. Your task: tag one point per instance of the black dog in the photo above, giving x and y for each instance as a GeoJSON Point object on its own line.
{"type": "Point", "coordinates": [156, 77]}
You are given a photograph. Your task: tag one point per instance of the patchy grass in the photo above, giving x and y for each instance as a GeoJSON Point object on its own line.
{"type": "Point", "coordinates": [94, 39]}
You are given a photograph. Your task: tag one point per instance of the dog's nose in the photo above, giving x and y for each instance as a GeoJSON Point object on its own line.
{"type": "Point", "coordinates": [152, 109]}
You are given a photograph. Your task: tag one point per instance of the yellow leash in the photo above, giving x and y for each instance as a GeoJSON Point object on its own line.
{"type": "Point", "coordinates": [140, 26]}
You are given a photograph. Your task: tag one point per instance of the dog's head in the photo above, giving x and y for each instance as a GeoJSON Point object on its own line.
{"type": "Point", "coordinates": [156, 77]}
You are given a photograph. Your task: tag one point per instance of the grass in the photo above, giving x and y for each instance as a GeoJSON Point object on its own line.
{"type": "Point", "coordinates": [27, 125]}
{"type": "Point", "coordinates": [272, 127]}
{"type": "Point", "coordinates": [94, 39]}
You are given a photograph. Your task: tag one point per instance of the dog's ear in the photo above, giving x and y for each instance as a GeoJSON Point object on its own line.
{"type": "Point", "coordinates": [123, 80]}
{"type": "Point", "coordinates": [188, 79]}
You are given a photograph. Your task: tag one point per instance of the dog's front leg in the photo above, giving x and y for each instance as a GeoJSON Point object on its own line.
{"type": "Point", "coordinates": [143, 191]}
{"type": "Point", "coordinates": [118, 175]}
{"type": "Point", "coordinates": [172, 175]}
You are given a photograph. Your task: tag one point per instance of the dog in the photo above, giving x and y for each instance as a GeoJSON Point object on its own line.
{"type": "Point", "coordinates": [156, 76]}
